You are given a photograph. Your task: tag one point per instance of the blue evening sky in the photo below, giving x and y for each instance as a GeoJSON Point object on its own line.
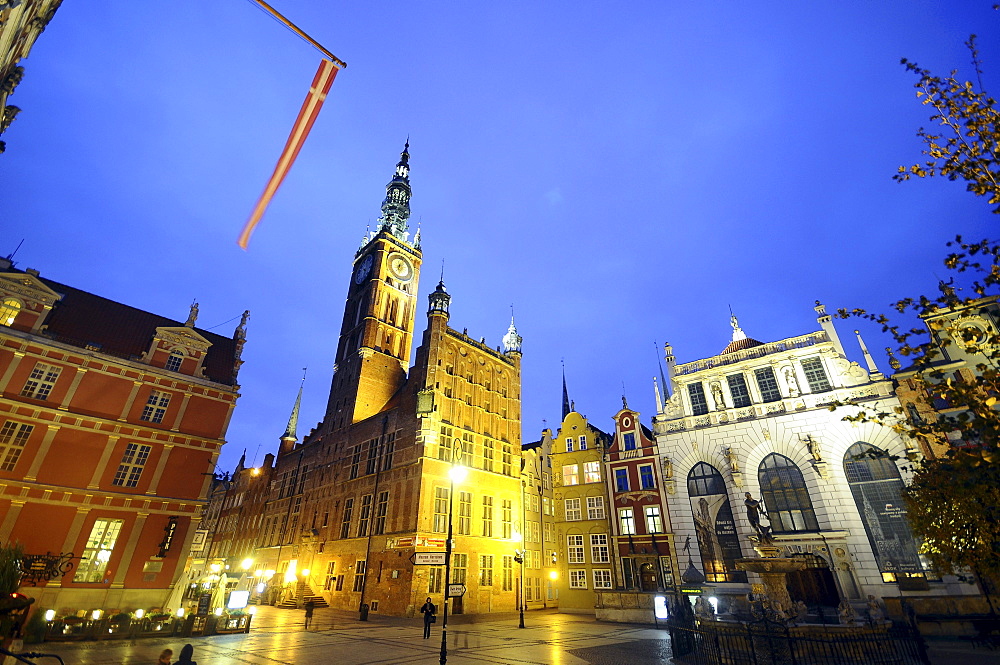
{"type": "Point", "coordinates": [620, 173]}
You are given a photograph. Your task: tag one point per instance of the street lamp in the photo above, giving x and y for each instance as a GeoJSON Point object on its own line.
{"type": "Point", "coordinates": [519, 558]}
{"type": "Point", "coordinates": [457, 473]}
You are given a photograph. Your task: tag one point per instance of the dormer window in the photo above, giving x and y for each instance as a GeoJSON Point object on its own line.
{"type": "Point", "coordinates": [174, 361]}
{"type": "Point", "coordinates": [8, 310]}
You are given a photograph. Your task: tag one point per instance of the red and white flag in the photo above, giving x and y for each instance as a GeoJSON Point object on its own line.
{"type": "Point", "coordinates": [307, 116]}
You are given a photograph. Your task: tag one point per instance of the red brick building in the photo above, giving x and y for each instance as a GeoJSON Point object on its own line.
{"type": "Point", "coordinates": [111, 420]}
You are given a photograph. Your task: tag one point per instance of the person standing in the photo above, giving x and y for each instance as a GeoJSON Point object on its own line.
{"type": "Point", "coordinates": [187, 656]}
{"type": "Point", "coordinates": [310, 606]}
{"type": "Point", "coordinates": [429, 611]}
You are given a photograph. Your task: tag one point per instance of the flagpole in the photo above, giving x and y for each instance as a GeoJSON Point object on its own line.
{"type": "Point", "coordinates": [297, 30]}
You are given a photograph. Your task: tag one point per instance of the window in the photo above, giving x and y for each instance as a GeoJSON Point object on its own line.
{"type": "Point", "coordinates": [444, 444]}
{"type": "Point", "coordinates": [738, 390]}
{"type": "Point", "coordinates": [466, 455]}
{"type": "Point", "coordinates": [131, 465]}
{"type": "Point", "coordinates": [578, 579]}
{"type": "Point", "coordinates": [459, 567]}
{"type": "Point", "coordinates": [13, 436]}
{"type": "Point", "coordinates": [434, 579]}
{"type": "Point", "coordinates": [489, 451]}
{"type": "Point", "coordinates": [40, 381]}
{"type": "Point", "coordinates": [485, 570]}
{"type": "Point", "coordinates": [156, 407]}
{"type": "Point", "coordinates": [815, 375]}
{"type": "Point", "coordinates": [599, 552]}
{"type": "Point", "coordinates": [464, 513]}
{"type": "Point", "coordinates": [627, 520]}
{"type": "Point", "coordinates": [355, 461]}
{"type": "Point", "coordinates": [767, 384]}
{"type": "Point", "coordinates": [340, 582]}
{"type": "Point", "coordinates": [381, 508]}
{"type": "Point", "coordinates": [571, 474]}
{"type": "Point", "coordinates": [654, 523]}
{"type": "Point", "coordinates": [591, 472]}
{"type": "Point", "coordinates": [714, 524]}
{"type": "Point", "coordinates": [621, 480]}
{"type": "Point", "coordinates": [629, 440]}
{"type": "Point", "coordinates": [646, 480]}
{"type": "Point", "coordinates": [602, 578]}
{"type": "Point", "coordinates": [365, 515]}
{"type": "Point", "coordinates": [569, 444]}
{"type": "Point", "coordinates": [371, 463]}
{"type": "Point", "coordinates": [441, 509]}
{"type": "Point", "coordinates": [360, 566]}
{"type": "Point", "coordinates": [583, 442]}
{"type": "Point", "coordinates": [506, 459]}
{"type": "Point", "coordinates": [8, 311]}
{"type": "Point", "coordinates": [549, 532]}
{"type": "Point", "coordinates": [506, 512]}
{"type": "Point", "coordinates": [533, 533]}
{"type": "Point", "coordinates": [876, 485]}
{"type": "Point", "coordinates": [547, 506]}
{"type": "Point", "coordinates": [595, 507]}
{"type": "Point", "coordinates": [174, 361]}
{"type": "Point", "coordinates": [699, 405]}
{"type": "Point", "coordinates": [573, 510]}
{"type": "Point", "coordinates": [785, 495]}
{"type": "Point", "coordinates": [331, 578]}
{"type": "Point", "coordinates": [574, 549]}
{"type": "Point", "coordinates": [97, 551]}
{"type": "Point", "coordinates": [345, 521]}
{"type": "Point", "coordinates": [488, 516]}
{"type": "Point", "coordinates": [508, 573]}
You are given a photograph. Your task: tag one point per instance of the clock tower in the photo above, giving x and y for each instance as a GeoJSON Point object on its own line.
{"type": "Point", "coordinates": [373, 350]}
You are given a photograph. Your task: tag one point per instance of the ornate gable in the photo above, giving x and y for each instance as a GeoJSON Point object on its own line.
{"type": "Point", "coordinates": [31, 294]}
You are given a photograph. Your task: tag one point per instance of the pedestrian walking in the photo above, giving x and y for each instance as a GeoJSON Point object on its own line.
{"type": "Point", "coordinates": [186, 657]}
{"type": "Point", "coordinates": [429, 612]}
{"type": "Point", "coordinates": [167, 654]}
{"type": "Point", "coordinates": [310, 606]}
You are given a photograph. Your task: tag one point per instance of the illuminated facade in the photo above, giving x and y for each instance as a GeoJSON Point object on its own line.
{"type": "Point", "coordinates": [756, 418]}
{"type": "Point", "coordinates": [21, 22]}
{"type": "Point", "coordinates": [369, 486]}
{"type": "Point", "coordinates": [111, 420]}
{"type": "Point", "coordinates": [585, 554]}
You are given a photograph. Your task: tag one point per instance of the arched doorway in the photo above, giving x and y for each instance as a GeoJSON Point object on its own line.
{"type": "Point", "coordinates": [814, 584]}
{"type": "Point", "coordinates": [647, 577]}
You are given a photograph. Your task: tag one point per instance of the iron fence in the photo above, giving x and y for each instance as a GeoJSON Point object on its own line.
{"type": "Point", "coordinates": [766, 642]}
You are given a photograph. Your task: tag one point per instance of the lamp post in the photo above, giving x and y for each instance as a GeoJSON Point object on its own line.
{"type": "Point", "coordinates": [456, 473]}
{"type": "Point", "coordinates": [519, 558]}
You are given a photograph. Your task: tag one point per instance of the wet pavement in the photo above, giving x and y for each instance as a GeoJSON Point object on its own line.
{"type": "Point", "coordinates": [279, 636]}
{"type": "Point", "coordinates": [549, 638]}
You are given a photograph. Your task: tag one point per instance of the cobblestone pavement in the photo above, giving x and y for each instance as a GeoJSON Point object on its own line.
{"type": "Point", "coordinates": [278, 637]}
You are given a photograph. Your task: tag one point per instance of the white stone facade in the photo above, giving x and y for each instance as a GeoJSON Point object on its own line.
{"type": "Point", "coordinates": [738, 425]}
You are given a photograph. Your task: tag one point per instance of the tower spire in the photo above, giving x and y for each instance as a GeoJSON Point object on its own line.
{"type": "Point", "coordinates": [293, 419]}
{"type": "Point", "coordinates": [396, 206]}
{"type": "Point", "coordinates": [565, 405]}
{"type": "Point", "coordinates": [511, 341]}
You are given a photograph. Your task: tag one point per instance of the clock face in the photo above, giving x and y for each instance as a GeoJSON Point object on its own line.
{"type": "Point", "coordinates": [363, 270]}
{"type": "Point", "coordinates": [401, 268]}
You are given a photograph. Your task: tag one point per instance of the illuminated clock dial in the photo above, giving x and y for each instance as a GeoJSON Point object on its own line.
{"type": "Point", "coordinates": [363, 270]}
{"type": "Point", "coordinates": [400, 267]}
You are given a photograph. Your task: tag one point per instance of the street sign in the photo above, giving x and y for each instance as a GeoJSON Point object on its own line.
{"type": "Point", "coordinates": [428, 558]}
{"type": "Point", "coordinates": [456, 590]}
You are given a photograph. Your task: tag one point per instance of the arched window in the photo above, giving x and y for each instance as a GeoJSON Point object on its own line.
{"type": "Point", "coordinates": [785, 495]}
{"type": "Point", "coordinates": [714, 524]}
{"type": "Point", "coordinates": [8, 311]}
{"type": "Point", "coordinates": [876, 485]}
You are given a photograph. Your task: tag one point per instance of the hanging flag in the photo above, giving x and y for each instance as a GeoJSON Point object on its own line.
{"type": "Point", "coordinates": [300, 130]}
